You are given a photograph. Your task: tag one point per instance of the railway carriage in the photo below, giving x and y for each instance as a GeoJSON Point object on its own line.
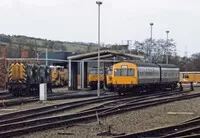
{"type": "Point", "coordinates": [187, 77]}
{"type": "Point", "coordinates": [139, 77]}
{"type": "Point", "coordinates": [169, 76]}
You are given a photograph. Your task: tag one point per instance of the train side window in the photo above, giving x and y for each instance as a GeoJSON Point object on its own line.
{"type": "Point", "coordinates": [117, 72]}
{"type": "Point", "coordinates": [131, 72]}
{"type": "Point", "coordinates": [186, 76]}
{"type": "Point", "coordinates": [141, 73]}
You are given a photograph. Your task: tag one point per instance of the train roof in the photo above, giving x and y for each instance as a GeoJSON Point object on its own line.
{"type": "Point", "coordinates": [146, 64]}
{"type": "Point", "coordinates": [191, 72]}
{"type": "Point", "coordinates": [140, 64]}
{"type": "Point", "coordinates": [168, 66]}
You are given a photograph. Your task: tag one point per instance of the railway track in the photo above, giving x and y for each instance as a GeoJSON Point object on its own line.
{"type": "Point", "coordinates": [66, 106]}
{"type": "Point", "coordinates": [6, 99]}
{"type": "Point", "coordinates": [15, 127]}
{"type": "Point", "coordinates": [183, 130]}
{"type": "Point", "coordinates": [11, 100]}
{"type": "Point", "coordinates": [5, 95]}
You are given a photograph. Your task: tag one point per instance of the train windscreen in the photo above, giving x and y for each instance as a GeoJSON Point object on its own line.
{"type": "Point", "coordinates": [124, 72]}
{"type": "Point", "coordinates": [95, 71]}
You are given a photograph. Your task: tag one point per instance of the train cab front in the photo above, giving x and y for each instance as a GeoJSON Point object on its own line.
{"type": "Point", "coordinates": [93, 78]}
{"type": "Point", "coordinates": [124, 78]}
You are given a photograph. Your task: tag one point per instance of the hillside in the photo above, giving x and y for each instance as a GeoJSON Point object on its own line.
{"type": "Point", "coordinates": [15, 43]}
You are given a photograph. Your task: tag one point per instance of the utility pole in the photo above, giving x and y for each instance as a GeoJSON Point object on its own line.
{"type": "Point", "coordinates": [128, 43]}
{"type": "Point", "coordinates": [167, 48]}
{"type": "Point", "coordinates": [46, 57]}
{"type": "Point", "coordinates": [150, 57]}
{"type": "Point", "coordinates": [99, 3]}
{"type": "Point", "coordinates": [186, 53]}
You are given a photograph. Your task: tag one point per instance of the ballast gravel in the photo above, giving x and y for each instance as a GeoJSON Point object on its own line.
{"type": "Point", "coordinates": [129, 122]}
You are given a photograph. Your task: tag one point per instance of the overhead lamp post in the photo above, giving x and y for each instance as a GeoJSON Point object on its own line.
{"type": "Point", "coordinates": [150, 58]}
{"type": "Point", "coordinates": [46, 57]}
{"type": "Point", "coordinates": [99, 3]}
{"type": "Point", "coordinates": [167, 48]}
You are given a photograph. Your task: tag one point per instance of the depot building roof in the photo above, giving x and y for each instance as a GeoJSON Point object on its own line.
{"type": "Point", "coordinates": [103, 55]}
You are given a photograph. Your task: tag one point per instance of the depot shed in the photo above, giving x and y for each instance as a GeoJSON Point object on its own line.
{"type": "Point", "coordinates": [84, 59]}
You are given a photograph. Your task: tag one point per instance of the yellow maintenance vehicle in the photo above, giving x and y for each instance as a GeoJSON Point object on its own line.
{"type": "Point", "coordinates": [59, 76]}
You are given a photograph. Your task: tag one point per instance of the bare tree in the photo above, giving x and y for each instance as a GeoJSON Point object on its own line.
{"type": "Point", "coordinates": [157, 50]}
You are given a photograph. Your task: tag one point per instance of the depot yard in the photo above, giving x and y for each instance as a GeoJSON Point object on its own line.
{"type": "Point", "coordinates": [129, 122]}
{"type": "Point", "coordinates": [112, 125]}
{"type": "Point", "coordinates": [59, 96]}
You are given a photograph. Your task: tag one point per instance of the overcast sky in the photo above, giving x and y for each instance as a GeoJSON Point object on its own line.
{"type": "Point", "coordinates": [76, 20]}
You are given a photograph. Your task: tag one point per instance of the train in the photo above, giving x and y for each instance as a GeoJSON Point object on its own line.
{"type": "Point", "coordinates": [59, 76]}
{"type": "Point", "coordinates": [187, 77]}
{"type": "Point", "coordinates": [24, 79]}
{"type": "Point", "coordinates": [122, 77]}
{"type": "Point", "coordinates": [129, 77]}
{"type": "Point", "coordinates": [109, 83]}
{"type": "Point", "coordinates": [93, 78]}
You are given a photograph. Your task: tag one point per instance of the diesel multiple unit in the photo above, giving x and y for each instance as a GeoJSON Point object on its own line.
{"type": "Point", "coordinates": [138, 77]}
{"type": "Point", "coordinates": [93, 78]}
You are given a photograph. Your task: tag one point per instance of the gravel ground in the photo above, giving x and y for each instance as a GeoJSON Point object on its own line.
{"type": "Point", "coordinates": [129, 122]}
{"type": "Point", "coordinates": [37, 105]}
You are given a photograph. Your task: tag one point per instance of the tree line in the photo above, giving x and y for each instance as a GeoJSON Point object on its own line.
{"type": "Point", "coordinates": [158, 51]}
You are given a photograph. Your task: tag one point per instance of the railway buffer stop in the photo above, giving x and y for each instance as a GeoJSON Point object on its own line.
{"type": "Point", "coordinates": [106, 57]}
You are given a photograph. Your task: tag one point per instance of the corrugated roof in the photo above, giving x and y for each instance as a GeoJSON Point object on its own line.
{"type": "Point", "coordinates": [102, 53]}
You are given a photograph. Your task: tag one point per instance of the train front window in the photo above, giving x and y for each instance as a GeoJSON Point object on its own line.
{"type": "Point", "coordinates": [117, 72]}
{"type": "Point", "coordinates": [93, 72]}
{"type": "Point", "coordinates": [124, 72]}
{"type": "Point", "coordinates": [131, 72]}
